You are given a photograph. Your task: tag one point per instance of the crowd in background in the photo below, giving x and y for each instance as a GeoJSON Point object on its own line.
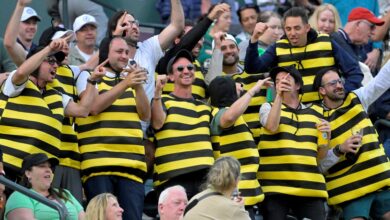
{"type": "Point", "coordinates": [267, 109]}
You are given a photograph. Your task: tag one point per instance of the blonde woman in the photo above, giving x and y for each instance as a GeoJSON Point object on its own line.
{"type": "Point", "coordinates": [325, 19]}
{"type": "Point", "coordinates": [104, 206]}
{"type": "Point", "coordinates": [221, 194]}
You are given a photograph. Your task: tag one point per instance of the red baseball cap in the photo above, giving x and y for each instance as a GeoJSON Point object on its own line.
{"type": "Point", "coordinates": [364, 14]}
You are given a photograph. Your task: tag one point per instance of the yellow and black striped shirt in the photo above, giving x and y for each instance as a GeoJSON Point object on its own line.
{"type": "Point", "coordinates": [31, 123]}
{"type": "Point", "coordinates": [238, 142]}
{"type": "Point", "coordinates": [348, 180]}
{"type": "Point", "coordinates": [111, 142]}
{"type": "Point", "coordinates": [308, 60]}
{"type": "Point", "coordinates": [288, 157]}
{"type": "Point", "coordinates": [183, 143]}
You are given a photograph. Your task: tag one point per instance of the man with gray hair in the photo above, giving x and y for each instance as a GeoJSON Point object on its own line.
{"type": "Point", "coordinates": [172, 203]}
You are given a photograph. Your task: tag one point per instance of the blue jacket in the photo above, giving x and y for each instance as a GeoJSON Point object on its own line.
{"type": "Point", "coordinates": [348, 66]}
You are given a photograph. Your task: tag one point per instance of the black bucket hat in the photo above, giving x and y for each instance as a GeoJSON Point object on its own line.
{"type": "Point", "coordinates": [289, 69]}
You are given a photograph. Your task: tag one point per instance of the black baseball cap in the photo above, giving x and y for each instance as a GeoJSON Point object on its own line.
{"type": "Point", "coordinates": [36, 159]}
{"type": "Point", "coordinates": [60, 56]}
{"type": "Point", "coordinates": [181, 53]}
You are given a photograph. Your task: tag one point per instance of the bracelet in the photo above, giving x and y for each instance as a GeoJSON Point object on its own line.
{"type": "Point", "coordinates": [337, 150]}
{"type": "Point", "coordinates": [93, 82]}
{"type": "Point", "coordinates": [156, 98]}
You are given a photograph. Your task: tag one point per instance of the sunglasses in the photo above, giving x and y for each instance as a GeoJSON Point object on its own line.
{"type": "Point", "coordinates": [333, 83]}
{"type": "Point", "coordinates": [51, 60]}
{"type": "Point", "coordinates": [180, 68]}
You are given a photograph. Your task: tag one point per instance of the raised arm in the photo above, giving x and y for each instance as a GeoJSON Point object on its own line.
{"type": "Point", "coordinates": [254, 63]}
{"type": "Point", "coordinates": [23, 72]}
{"type": "Point", "coordinates": [158, 113]}
{"type": "Point", "coordinates": [106, 99]}
{"type": "Point", "coordinates": [83, 107]}
{"type": "Point", "coordinates": [215, 68]}
{"type": "Point", "coordinates": [15, 50]}
{"type": "Point", "coordinates": [273, 119]}
{"type": "Point", "coordinates": [174, 28]}
{"type": "Point", "coordinates": [238, 108]}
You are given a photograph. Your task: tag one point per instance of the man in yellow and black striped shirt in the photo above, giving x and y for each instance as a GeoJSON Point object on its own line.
{"type": "Point", "coordinates": [288, 149]}
{"type": "Point", "coordinates": [357, 169]}
{"type": "Point", "coordinates": [182, 133]}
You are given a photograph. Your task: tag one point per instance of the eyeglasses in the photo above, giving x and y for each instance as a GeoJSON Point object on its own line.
{"type": "Point", "coordinates": [51, 60]}
{"type": "Point", "coordinates": [135, 22]}
{"type": "Point", "coordinates": [189, 67]}
{"type": "Point", "coordinates": [371, 25]}
{"type": "Point", "coordinates": [333, 83]}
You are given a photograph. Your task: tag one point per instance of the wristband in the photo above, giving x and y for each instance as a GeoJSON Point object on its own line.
{"type": "Point", "coordinates": [93, 82]}
{"type": "Point", "coordinates": [337, 151]}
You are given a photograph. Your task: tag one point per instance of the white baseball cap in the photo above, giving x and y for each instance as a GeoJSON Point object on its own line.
{"type": "Point", "coordinates": [29, 12]}
{"type": "Point", "coordinates": [82, 20]}
{"type": "Point", "coordinates": [60, 34]}
{"type": "Point", "coordinates": [225, 37]}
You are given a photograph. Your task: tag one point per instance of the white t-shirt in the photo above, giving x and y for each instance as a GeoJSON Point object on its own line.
{"type": "Point", "coordinates": [11, 90]}
{"type": "Point", "coordinates": [147, 56]}
{"type": "Point", "coordinates": [85, 56]}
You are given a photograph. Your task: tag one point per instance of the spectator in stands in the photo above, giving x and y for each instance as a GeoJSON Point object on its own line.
{"type": "Point", "coordinates": [290, 133]}
{"type": "Point", "coordinates": [104, 206]}
{"type": "Point", "coordinates": [37, 172]}
{"type": "Point", "coordinates": [357, 32]}
{"type": "Point", "coordinates": [192, 40]}
{"type": "Point", "coordinates": [75, 9]}
{"type": "Point", "coordinates": [115, 162]}
{"type": "Point", "coordinates": [182, 132]}
{"type": "Point", "coordinates": [85, 28]}
{"type": "Point", "coordinates": [20, 32]}
{"type": "Point", "coordinates": [228, 108]}
{"type": "Point", "coordinates": [247, 15]}
{"type": "Point", "coordinates": [325, 19]}
{"type": "Point", "coordinates": [273, 33]}
{"type": "Point", "coordinates": [357, 171]}
{"type": "Point", "coordinates": [221, 24]}
{"type": "Point", "coordinates": [67, 174]}
{"type": "Point", "coordinates": [147, 53]}
{"type": "Point", "coordinates": [373, 49]}
{"type": "Point", "coordinates": [172, 202]}
{"type": "Point", "coordinates": [221, 194]}
{"type": "Point", "coordinates": [299, 45]}
{"type": "Point", "coordinates": [225, 61]}
{"type": "Point", "coordinates": [41, 131]}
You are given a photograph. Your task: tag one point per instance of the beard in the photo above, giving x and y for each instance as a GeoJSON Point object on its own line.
{"type": "Point", "coordinates": [131, 41]}
{"type": "Point", "coordinates": [337, 95]}
{"type": "Point", "coordinates": [231, 61]}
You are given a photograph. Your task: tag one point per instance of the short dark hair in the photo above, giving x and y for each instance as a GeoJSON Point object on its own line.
{"type": "Point", "coordinates": [296, 12]}
{"type": "Point", "coordinates": [320, 74]}
{"type": "Point", "coordinates": [247, 6]}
